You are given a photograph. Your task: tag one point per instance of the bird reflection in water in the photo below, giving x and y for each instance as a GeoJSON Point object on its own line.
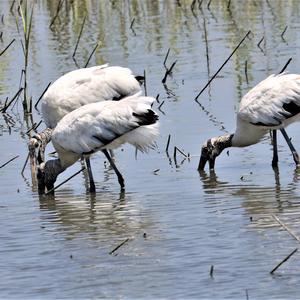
{"type": "Point", "coordinates": [258, 201]}
{"type": "Point", "coordinates": [103, 216]}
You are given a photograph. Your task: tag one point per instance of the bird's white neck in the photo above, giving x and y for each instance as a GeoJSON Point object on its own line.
{"type": "Point", "coordinates": [247, 139]}
{"type": "Point", "coordinates": [247, 134]}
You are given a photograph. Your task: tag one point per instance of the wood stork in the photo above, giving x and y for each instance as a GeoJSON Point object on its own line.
{"type": "Point", "coordinates": [75, 89]}
{"type": "Point", "coordinates": [99, 127]}
{"type": "Point", "coordinates": [272, 104]}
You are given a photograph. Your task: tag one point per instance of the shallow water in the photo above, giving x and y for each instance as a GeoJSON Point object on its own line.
{"type": "Point", "coordinates": [178, 222]}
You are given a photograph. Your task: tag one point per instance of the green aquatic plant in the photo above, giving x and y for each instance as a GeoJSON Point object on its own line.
{"type": "Point", "coordinates": [26, 17]}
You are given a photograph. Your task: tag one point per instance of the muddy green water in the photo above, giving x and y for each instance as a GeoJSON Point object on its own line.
{"type": "Point", "coordinates": [179, 223]}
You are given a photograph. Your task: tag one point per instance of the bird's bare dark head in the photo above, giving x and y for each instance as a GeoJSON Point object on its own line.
{"type": "Point", "coordinates": [213, 148]}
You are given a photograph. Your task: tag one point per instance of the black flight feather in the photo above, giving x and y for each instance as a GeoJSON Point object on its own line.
{"type": "Point", "coordinates": [146, 118]}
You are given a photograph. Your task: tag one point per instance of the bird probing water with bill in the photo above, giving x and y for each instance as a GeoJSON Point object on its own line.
{"type": "Point", "coordinates": [96, 127]}
{"type": "Point", "coordinates": [76, 89]}
{"type": "Point", "coordinates": [273, 104]}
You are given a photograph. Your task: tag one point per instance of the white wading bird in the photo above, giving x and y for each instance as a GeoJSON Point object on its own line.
{"type": "Point", "coordinates": [99, 127]}
{"type": "Point", "coordinates": [271, 105]}
{"type": "Point", "coordinates": [75, 89]}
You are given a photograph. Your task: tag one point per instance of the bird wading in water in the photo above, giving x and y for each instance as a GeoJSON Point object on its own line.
{"type": "Point", "coordinates": [273, 104]}
{"type": "Point", "coordinates": [75, 89]}
{"type": "Point", "coordinates": [99, 127]}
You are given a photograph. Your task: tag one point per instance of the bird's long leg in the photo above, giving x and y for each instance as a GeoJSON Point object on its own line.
{"type": "Point", "coordinates": [294, 152]}
{"type": "Point", "coordinates": [91, 178]}
{"type": "Point", "coordinates": [112, 154]}
{"type": "Point", "coordinates": [120, 177]}
{"type": "Point", "coordinates": [275, 150]}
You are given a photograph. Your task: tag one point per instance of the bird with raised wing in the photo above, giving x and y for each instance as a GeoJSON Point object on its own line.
{"type": "Point", "coordinates": [99, 127]}
{"type": "Point", "coordinates": [273, 104]}
{"type": "Point", "coordinates": [75, 89]}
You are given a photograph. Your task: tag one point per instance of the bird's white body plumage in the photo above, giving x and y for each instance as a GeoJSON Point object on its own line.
{"type": "Point", "coordinates": [85, 86]}
{"type": "Point", "coordinates": [103, 125]}
{"type": "Point", "coordinates": [267, 106]}
{"type": "Point", "coordinates": [272, 104]}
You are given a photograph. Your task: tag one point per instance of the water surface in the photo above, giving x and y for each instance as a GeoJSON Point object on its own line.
{"type": "Point", "coordinates": [179, 223]}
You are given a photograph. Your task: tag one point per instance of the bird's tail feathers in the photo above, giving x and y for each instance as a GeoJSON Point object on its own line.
{"type": "Point", "coordinates": [140, 79]}
{"type": "Point", "coordinates": [147, 117]}
{"type": "Point", "coordinates": [143, 138]}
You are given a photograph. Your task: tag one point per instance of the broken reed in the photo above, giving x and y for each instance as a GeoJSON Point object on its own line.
{"type": "Point", "coordinates": [51, 191]}
{"type": "Point", "coordinates": [93, 51]}
{"type": "Point", "coordinates": [3, 51]}
{"type": "Point", "coordinates": [59, 6]}
{"type": "Point", "coordinates": [9, 161]}
{"type": "Point", "coordinates": [168, 143]}
{"type": "Point", "coordinates": [283, 32]}
{"type": "Point", "coordinates": [131, 26]}
{"type": "Point", "coordinates": [258, 44]}
{"type": "Point", "coordinates": [26, 17]}
{"type": "Point", "coordinates": [168, 72]}
{"type": "Point", "coordinates": [286, 65]}
{"type": "Point", "coordinates": [7, 104]}
{"type": "Point", "coordinates": [43, 93]}
{"type": "Point", "coordinates": [79, 36]}
{"type": "Point", "coordinates": [225, 62]}
{"type": "Point", "coordinates": [132, 22]}
{"type": "Point", "coordinates": [283, 261]}
{"type": "Point", "coordinates": [120, 245]}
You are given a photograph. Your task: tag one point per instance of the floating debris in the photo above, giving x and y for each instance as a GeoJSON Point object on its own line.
{"type": "Point", "coordinates": [283, 32]}
{"type": "Point", "coordinates": [284, 260]}
{"type": "Point", "coordinates": [211, 272]}
{"type": "Point", "coordinates": [9, 161]}
{"type": "Point", "coordinates": [3, 51]}
{"type": "Point", "coordinates": [286, 65]}
{"type": "Point", "coordinates": [168, 143]}
{"type": "Point", "coordinates": [120, 245]}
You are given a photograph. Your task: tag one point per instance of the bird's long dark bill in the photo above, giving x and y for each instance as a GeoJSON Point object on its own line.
{"type": "Point", "coordinates": [41, 182]}
{"type": "Point", "coordinates": [202, 163]}
{"type": "Point", "coordinates": [212, 163]}
{"type": "Point", "coordinates": [41, 188]}
{"type": "Point", "coordinates": [33, 166]}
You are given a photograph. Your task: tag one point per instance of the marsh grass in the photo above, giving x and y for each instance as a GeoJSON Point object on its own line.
{"type": "Point", "coordinates": [26, 15]}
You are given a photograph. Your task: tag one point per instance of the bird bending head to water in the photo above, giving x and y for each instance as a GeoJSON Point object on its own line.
{"type": "Point", "coordinates": [100, 127]}
{"type": "Point", "coordinates": [271, 105]}
{"type": "Point", "coordinates": [213, 148]}
{"type": "Point", "coordinates": [78, 88]}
